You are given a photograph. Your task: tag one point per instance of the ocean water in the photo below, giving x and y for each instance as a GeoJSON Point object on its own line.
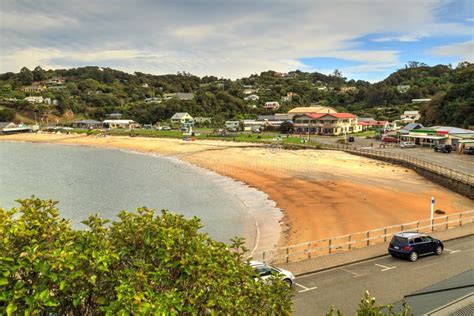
{"type": "Point", "coordinates": [88, 180]}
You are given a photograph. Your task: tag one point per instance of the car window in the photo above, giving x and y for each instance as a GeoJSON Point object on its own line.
{"type": "Point", "coordinates": [426, 239]}
{"type": "Point", "coordinates": [417, 240]}
{"type": "Point", "coordinates": [399, 240]}
{"type": "Point", "coordinates": [263, 270]}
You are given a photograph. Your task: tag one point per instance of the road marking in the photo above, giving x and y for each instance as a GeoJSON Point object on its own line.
{"type": "Point", "coordinates": [384, 268]}
{"type": "Point", "coordinates": [356, 275]}
{"type": "Point", "coordinates": [305, 289]}
{"type": "Point", "coordinates": [426, 265]}
{"type": "Point", "coordinates": [452, 251]}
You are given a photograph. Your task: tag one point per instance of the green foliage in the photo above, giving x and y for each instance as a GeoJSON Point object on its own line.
{"type": "Point", "coordinates": [369, 307]}
{"type": "Point", "coordinates": [6, 114]}
{"type": "Point", "coordinates": [144, 263]}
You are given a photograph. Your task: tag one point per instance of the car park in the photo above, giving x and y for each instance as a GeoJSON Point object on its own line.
{"type": "Point", "coordinates": [443, 149]}
{"type": "Point", "coordinates": [411, 245]}
{"type": "Point", "coordinates": [407, 145]}
{"type": "Point", "coordinates": [266, 271]}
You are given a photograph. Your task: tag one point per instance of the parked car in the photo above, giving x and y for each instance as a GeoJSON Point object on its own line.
{"type": "Point", "coordinates": [411, 245]}
{"type": "Point", "coordinates": [389, 139]}
{"type": "Point", "coordinates": [407, 145]}
{"type": "Point", "coordinates": [166, 128]}
{"type": "Point", "coordinates": [350, 139]}
{"type": "Point", "coordinates": [469, 150]}
{"type": "Point", "coordinates": [443, 148]}
{"type": "Point", "coordinates": [266, 271]}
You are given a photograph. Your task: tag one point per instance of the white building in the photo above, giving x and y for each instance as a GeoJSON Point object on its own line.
{"type": "Point", "coordinates": [33, 99]}
{"type": "Point", "coordinates": [232, 125]}
{"type": "Point", "coordinates": [125, 124]}
{"type": "Point", "coordinates": [410, 116]}
{"type": "Point", "coordinates": [252, 97]}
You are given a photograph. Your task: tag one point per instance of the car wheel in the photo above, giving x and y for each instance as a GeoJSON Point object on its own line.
{"type": "Point", "coordinates": [288, 282]}
{"type": "Point", "coordinates": [439, 250]}
{"type": "Point", "coordinates": [413, 256]}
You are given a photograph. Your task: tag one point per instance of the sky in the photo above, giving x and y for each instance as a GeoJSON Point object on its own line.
{"type": "Point", "coordinates": [366, 40]}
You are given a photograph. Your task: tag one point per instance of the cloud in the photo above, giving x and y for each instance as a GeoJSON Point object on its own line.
{"type": "Point", "coordinates": [230, 39]}
{"type": "Point", "coordinates": [464, 50]}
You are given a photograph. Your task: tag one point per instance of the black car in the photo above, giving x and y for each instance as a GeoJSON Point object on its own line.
{"type": "Point", "coordinates": [443, 149]}
{"type": "Point", "coordinates": [469, 150]}
{"type": "Point", "coordinates": [412, 245]}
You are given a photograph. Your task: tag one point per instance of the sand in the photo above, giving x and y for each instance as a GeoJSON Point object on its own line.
{"type": "Point", "coordinates": [322, 193]}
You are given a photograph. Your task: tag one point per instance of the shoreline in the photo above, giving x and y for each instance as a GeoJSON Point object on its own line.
{"type": "Point", "coordinates": [320, 193]}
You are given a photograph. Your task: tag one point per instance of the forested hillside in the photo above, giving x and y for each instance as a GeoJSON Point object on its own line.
{"type": "Point", "coordinates": [93, 92]}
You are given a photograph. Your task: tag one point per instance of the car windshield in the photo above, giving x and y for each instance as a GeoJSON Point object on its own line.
{"type": "Point", "coordinates": [262, 270]}
{"type": "Point", "coordinates": [400, 240]}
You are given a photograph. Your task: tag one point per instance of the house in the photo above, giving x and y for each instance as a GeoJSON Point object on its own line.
{"type": "Point", "coordinates": [182, 118]}
{"type": "Point", "coordinates": [348, 89]}
{"type": "Point", "coordinates": [125, 124]}
{"type": "Point", "coordinates": [326, 123]}
{"type": "Point", "coordinates": [153, 100]}
{"type": "Point", "coordinates": [275, 120]}
{"type": "Point", "coordinates": [311, 109]}
{"type": "Point", "coordinates": [232, 125]}
{"type": "Point", "coordinates": [252, 97]}
{"type": "Point", "coordinates": [34, 88]}
{"type": "Point", "coordinates": [57, 88]}
{"type": "Point", "coordinates": [144, 85]}
{"type": "Point", "coordinates": [410, 116]}
{"type": "Point", "coordinates": [33, 99]}
{"type": "Point", "coordinates": [252, 125]}
{"type": "Point", "coordinates": [56, 81]}
{"type": "Point", "coordinates": [11, 128]}
{"type": "Point", "coordinates": [114, 116]}
{"type": "Point", "coordinates": [179, 95]}
{"type": "Point", "coordinates": [420, 100]}
{"type": "Point", "coordinates": [403, 88]}
{"type": "Point", "coordinates": [407, 128]}
{"type": "Point", "coordinates": [289, 97]}
{"type": "Point", "coordinates": [368, 123]}
{"type": "Point", "coordinates": [88, 124]}
{"type": "Point", "coordinates": [202, 120]}
{"type": "Point", "coordinates": [249, 91]}
{"type": "Point", "coordinates": [271, 105]}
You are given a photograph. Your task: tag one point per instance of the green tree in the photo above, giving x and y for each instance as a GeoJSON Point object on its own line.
{"type": "Point", "coordinates": [25, 76]}
{"type": "Point", "coordinates": [7, 114]}
{"type": "Point", "coordinates": [144, 263]}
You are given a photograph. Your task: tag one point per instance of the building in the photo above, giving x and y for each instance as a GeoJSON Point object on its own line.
{"type": "Point", "coordinates": [56, 81]}
{"type": "Point", "coordinates": [12, 128]}
{"type": "Point", "coordinates": [182, 118]}
{"type": "Point", "coordinates": [326, 123]}
{"type": "Point", "coordinates": [420, 100]}
{"type": "Point", "coordinates": [369, 123]}
{"type": "Point", "coordinates": [348, 89]}
{"type": "Point", "coordinates": [232, 125]}
{"type": "Point", "coordinates": [275, 120]}
{"type": "Point", "coordinates": [442, 135]}
{"type": "Point", "coordinates": [410, 116]}
{"type": "Point", "coordinates": [114, 116]}
{"type": "Point", "coordinates": [248, 91]}
{"type": "Point", "coordinates": [252, 125]}
{"type": "Point", "coordinates": [57, 88]}
{"type": "Point", "coordinates": [202, 120]}
{"type": "Point", "coordinates": [252, 97]}
{"type": "Point", "coordinates": [34, 88]}
{"type": "Point", "coordinates": [453, 296]}
{"type": "Point", "coordinates": [185, 96]}
{"type": "Point", "coordinates": [403, 88]}
{"type": "Point", "coordinates": [271, 105]}
{"type": "Point", "coordinates": [33, 99]}
{"type": "Point", "coordinates": [88, 124]}
{"type": "Point", "coordinates": [153, 100]}
{"type": "Point", "coordinates": [125, 124]}
{"type": "Point", "coordinates": [289, 97]}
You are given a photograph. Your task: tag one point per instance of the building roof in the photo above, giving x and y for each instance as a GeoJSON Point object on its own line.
{"type": "Point", "coordinates": [5, 124]}
{"type": "Point", "coordinates": [179, 115]}
{"type": "Point", "coordinates": [366, 119]}
{"type": "Point", "coordinates": [120, 121]}
{"type": "Point", "coordinates": [88, 122]}
{"type": "Point", "coordinates": [453, 296]}
{"type": "Point", "coordinates": [452, 130]}
{"type": "Point", "coordinates": [336, 115]}
{"type": "Point", "coordinates": [312, 109]}
{"type": "Point", "coordinates": [411, 113]}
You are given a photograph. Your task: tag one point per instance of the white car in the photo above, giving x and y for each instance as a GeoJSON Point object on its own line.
{"type": "Point", "coordinates": [266, 271]}
{"type": "Point", "coordinates": [407, 145]}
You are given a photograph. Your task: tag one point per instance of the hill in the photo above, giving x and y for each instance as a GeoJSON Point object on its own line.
{"type": "Point", "coordinates": [93, 92]}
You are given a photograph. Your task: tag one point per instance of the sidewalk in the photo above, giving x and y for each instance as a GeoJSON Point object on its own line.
{"type": "Point", "coordinates": [361, 254]}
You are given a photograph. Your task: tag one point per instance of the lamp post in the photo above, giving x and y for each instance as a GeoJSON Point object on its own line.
{"type": "Point", "coordinates": [432, 213]}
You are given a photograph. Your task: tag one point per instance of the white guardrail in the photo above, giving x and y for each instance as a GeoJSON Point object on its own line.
{"type": "Point", "coordinates": [308, 250]}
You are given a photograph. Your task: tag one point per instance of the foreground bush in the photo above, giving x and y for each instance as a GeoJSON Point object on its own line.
{"type": "Point", "coordinates": [143, 263]}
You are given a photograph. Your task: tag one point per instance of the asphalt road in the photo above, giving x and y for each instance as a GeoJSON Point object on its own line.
{"type": "Point", "coordinates": [387, 278]}
{"type": "Point", "coordinates": [460, 162]}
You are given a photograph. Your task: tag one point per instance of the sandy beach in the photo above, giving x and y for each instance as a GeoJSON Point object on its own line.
{"type": "Point", "coordinates": [322, 193]}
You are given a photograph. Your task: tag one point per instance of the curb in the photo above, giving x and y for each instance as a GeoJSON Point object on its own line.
{"type": "Point", "coordinates": [365, 259]}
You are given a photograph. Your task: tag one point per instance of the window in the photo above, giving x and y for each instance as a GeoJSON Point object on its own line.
{"type": "Point", "coordinates": [426, 239]}
{"type": "Point", "coordinates": [417, 240]}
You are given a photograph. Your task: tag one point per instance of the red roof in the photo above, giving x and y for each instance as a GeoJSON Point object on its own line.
{"type": "Point", "coordinates": [336, 115]}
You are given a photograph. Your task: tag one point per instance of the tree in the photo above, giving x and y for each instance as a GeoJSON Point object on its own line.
{"type": "Point", "coordinates": [7, 114]}
{"type": "Point", "coordinates": [144, 263]}
{"type": "Point", "coordinates": [25, 76]}
{"type": "Point", "coordinates": [38, 74]}
{"type": "Point", "coordinates": [369, 307]}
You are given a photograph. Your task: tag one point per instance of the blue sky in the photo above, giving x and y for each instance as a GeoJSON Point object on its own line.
{"type": "Point", "coordinates": [365, 39]}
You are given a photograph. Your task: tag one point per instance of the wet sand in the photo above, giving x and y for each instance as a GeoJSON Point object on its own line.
{"type": "Point", "coordinates": [322, 193]}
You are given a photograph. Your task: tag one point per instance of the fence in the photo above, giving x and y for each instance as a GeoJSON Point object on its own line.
{"type": "Point", "coordinates": [435, 168]}
{"type": "Point", "coordinates": [327, 246]}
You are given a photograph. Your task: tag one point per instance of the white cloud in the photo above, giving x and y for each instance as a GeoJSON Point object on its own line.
{"type": "Point", "coordinates": [230, 39]}
{"type": "Point", "coordinates": [463, 50]}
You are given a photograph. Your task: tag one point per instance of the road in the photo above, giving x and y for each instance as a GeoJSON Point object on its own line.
{"type": "Point", "coordinates": [387, 278]}
{"type": "Point", "coordinates": [460, 162]}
